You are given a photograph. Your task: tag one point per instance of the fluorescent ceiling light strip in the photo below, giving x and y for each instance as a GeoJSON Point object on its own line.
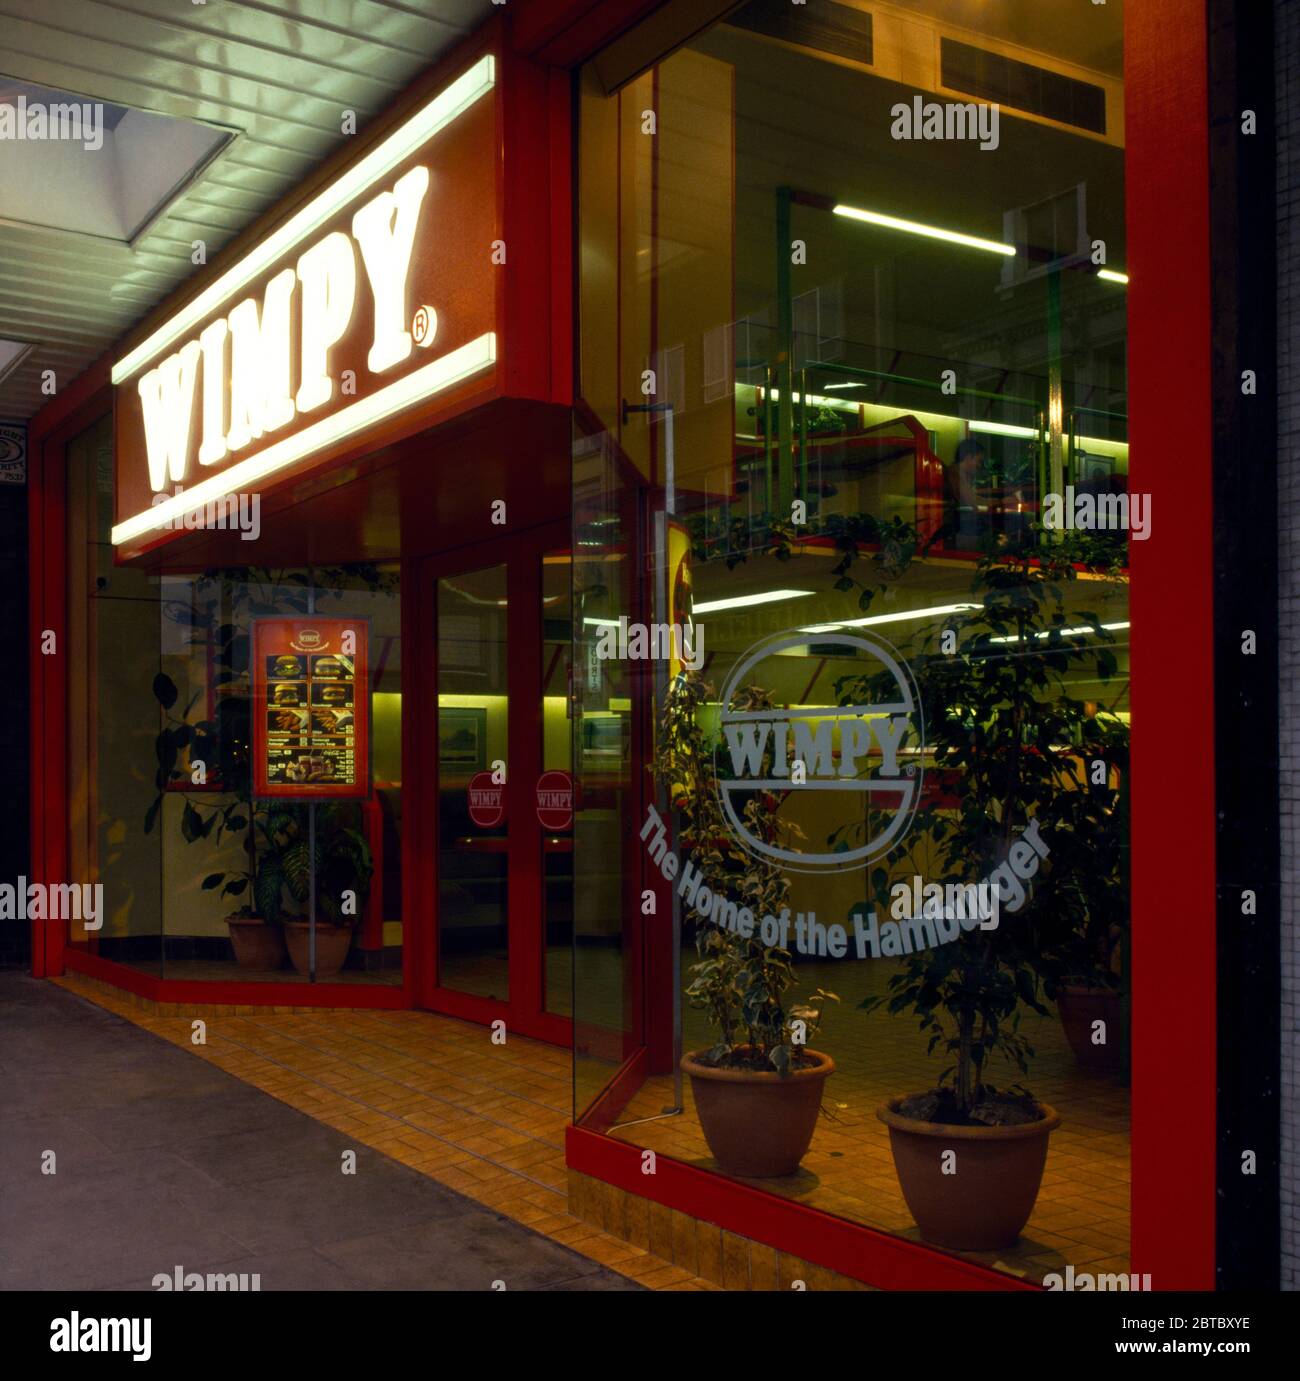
{"type": "Point", "coordinates": [1112, 275]}
{"type": "Point", "coordinates": [932, 232]}
{"type": "Point", "coordinates": [1064, 632]}
{"type": "Point", "coordinates": [889, 618]}
{"type": "Point", "coordinates": [711, 606]}
{"type": "Point", "coordinates": [841, 404]}
{"type": "Point", "coordinates": [995, 428]}
{"type": "Point", "coordinates": [1012, 429]}
{"type": "Point", "coordinates": [432, 378]}
{"type": "Point", "coordinates": [1002, 429]}
{"type": "Point", "coordinates": [446, 107]}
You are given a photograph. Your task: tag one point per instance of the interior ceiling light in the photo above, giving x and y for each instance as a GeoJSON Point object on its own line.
{"type": "Point", "coordinates": [711, 606]}
{"type": "Point", "coordinates": [1112, 275]}
{"type": "Point", "coordinates": [93, 168]}
{"type": "Point", "coordinates": [1064, 632]}
{"type": "Point", "coordinates": [890, 618]}
{"type": "Point", "coordinates": [1002, 429]}
{"type": "Point", "coordinates": [1011, 429]}
{"type": "Point", "coordinates": [932, 232]}
{"type": "Point", "coordinates": [12, 354]}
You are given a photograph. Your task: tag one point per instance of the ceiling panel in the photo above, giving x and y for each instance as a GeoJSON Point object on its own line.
{"type": "Point", "coordinates": [278, 72]}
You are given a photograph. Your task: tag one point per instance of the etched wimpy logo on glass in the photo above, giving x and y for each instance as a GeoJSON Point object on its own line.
{"type": "Point", "coordinates": [854, 750]}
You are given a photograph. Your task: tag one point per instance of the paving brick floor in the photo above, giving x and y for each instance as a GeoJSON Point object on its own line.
{"type": "Point", "coordinates": [161, 1161]}
{"type": "Point", "coordinates": [428, 1091]}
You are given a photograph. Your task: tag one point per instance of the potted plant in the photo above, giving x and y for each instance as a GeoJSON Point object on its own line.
{"type": "Point", "coordinates": [969, 1154]}
{"type": "Point", "coordinates": [1085, 970]}
{"type": "Point", "coordinates": [257, 939]}
{"type": "Point", "coordinates": [758, 1088]}
{"type": "Point", "coordinates": [258, 945]}
{"type": "Point", "coordinates": [344, 868]}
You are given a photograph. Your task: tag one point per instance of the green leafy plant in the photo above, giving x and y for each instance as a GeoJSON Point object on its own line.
{"type": "Point", "coordinates": [229, 753]}
{"type": "Point", "coordinates": [274, 833]}
{"type": "Point", "coordinates": [820, 418]}
{"type": "Point", "coordinates": [343, 862]}
{"type": "Point", "coordinates": [741, 983]}
{"type": "Point", "coordinates": [997, 710]}
{"type": "Point", "coordinates": [1013, 470]}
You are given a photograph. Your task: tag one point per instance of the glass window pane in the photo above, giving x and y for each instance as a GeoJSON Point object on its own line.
{"type": "Point", "coordinates": [473, 720]}
{"type": "Point", "coordinates": [557, 758]}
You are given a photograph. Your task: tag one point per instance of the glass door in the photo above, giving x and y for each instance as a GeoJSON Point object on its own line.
{"type": "Point", "coordinates": [555, 799]}
{"type": "Point", "coordinates": [501, 836]}
{"type": "Point", "coordinates": [473, 773]}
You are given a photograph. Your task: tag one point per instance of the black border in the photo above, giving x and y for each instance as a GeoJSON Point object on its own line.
{"type": "Point", "coordinates": [1246, 693]}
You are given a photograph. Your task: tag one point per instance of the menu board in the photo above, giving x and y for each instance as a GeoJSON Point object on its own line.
{"type": "Point", "coordinates": [311, 707]}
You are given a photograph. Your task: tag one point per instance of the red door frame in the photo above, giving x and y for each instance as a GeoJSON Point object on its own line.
{"type": "Point", "coordinates": [525, 1013]}
{"type": "Point", "coordinates": [1173, 941]}
{"type": "Point", "coordinates": [64, 418]}
{"type": "Point", "coordinates": [1172, 899]}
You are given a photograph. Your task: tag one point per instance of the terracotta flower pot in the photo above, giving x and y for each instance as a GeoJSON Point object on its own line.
{"type": "Point", "coordinates": [998, 1171]}
{"type": "Point", "coordinates": [256, 944]}
{"type": "Point", "coordinates": [332, 945]}
{"type": "Point", "coordinates": [1079, 1008]}
{"type": "Point", "coordinates": [756, 1123]}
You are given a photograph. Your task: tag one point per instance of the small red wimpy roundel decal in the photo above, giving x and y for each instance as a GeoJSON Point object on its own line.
{"type": "Point", "coordinates": [555, 800]}
{"type": "Point", "coordinates": [487, 801]}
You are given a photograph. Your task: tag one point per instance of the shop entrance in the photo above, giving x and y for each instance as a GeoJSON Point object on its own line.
{"type": "Point", "coordinates": [501, 835]}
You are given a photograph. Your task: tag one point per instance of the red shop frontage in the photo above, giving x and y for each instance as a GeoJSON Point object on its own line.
{"type": "Point", "coordinates": [627, 318]}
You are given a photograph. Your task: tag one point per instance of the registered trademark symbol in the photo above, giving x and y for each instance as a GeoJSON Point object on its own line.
{"type": "Point", "coordinates": [425, 326]}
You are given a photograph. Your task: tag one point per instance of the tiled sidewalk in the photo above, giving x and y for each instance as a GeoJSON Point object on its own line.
{"type": "Point", "coordinates": [431, 1092]}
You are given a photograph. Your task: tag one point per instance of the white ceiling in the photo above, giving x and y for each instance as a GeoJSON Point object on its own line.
{"type": "Point", "coordinates": [279, 72]}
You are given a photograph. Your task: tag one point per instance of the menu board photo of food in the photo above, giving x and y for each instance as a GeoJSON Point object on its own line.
{"type": "Point", "coordinates": [311, 715]}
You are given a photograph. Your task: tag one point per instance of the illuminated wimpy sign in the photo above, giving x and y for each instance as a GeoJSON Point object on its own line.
{"type": "Point", "coordinates": [362, 304]}
{"type": "Point", "coordinates": [246, 358]}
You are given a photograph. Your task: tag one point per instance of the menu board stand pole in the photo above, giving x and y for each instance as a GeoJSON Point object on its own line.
{"type": "Point", "coordinates": [311, 890]}
{"type": "Point", "coordinates": [311, 832]}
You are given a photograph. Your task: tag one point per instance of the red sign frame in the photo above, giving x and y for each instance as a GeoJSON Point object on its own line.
{"type": "Point", "coordinates": [314, 644]}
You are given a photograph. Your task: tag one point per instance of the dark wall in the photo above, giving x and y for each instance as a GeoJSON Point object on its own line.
{"type": "Point", "coordinates": [15, 832]}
